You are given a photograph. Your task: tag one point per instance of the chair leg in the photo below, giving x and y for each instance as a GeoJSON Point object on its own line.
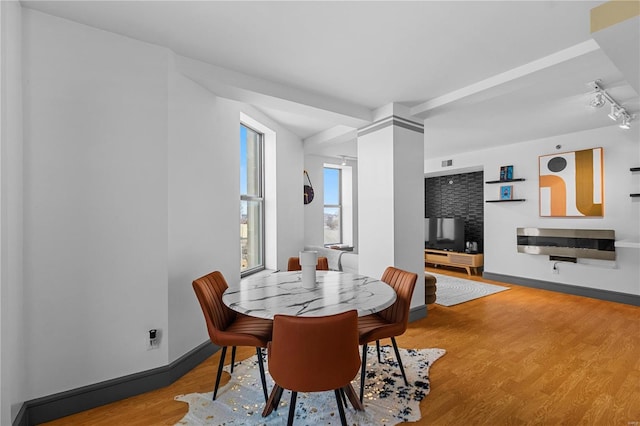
{"type": "Point", "coordinates": [363, 370]}
{"type": "Point", "coordinates": [343, 418]}
{"type": "Point", "coordinates": [220, 365]}
{"type": "Point", "coordinates": [353, 397]}
{"type": "Point", "coordinates": [292, 408]}
{"type": "Point", "coordinates": [262, 377]}
{"type": "Point", "coordinates": [233, 357]}
{"type": "Point", "coordinates": [395, 348]}
{"type": "Point", "coordinates": [274, 400]}
{"type": "Point", "coordinates": [344, 397]}
{"type": "Point", "coordinates": [378, 349]}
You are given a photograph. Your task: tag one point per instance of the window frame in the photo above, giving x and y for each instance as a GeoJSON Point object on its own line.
{"type": "Point", "coordinates": [338, 206]}
{"type": "Point", "coordinates": [260, 198]}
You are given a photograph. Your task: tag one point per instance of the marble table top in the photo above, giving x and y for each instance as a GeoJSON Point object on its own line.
{"type": "Point", "coordinates": [283, 293]}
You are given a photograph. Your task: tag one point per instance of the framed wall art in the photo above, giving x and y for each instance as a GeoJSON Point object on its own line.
{"type": "Point", "coordinates": [506, 192]}
{"type": "Point", "coordinates": [572, 184]}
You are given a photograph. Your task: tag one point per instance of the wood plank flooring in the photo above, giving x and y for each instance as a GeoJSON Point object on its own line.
{"type": "Point", "coordinates": [519, 357]}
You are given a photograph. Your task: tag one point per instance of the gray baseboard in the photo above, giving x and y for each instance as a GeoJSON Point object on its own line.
{"type": "Point", "coordinates": [594, 293]}
{"type": "Point", "coordinates": [417, 313]}
{"type": "Point", "coordinates": [62, 404]}
{"type": "Point", "coordinates": [21, 417]}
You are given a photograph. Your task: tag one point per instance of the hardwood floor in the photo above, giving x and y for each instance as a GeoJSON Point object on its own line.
{"type": "Point", "coordinates": [523, 356]}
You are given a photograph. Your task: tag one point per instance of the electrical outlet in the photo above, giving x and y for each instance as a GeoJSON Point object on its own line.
{"type": "Point", "coordinates": [153, 339]}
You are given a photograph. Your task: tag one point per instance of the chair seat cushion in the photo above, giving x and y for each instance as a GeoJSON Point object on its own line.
{"type": "Point", "coordinates": [247, 331]}
{"type": "Point", "coordinates": [373, 327]}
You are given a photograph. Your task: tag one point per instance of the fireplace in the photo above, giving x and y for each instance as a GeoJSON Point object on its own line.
{"type": "Point", "coordinates": [568, 244]}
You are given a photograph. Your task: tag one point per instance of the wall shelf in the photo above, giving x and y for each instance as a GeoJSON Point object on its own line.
{"type": "Point", "coordinates": [627, 244]}
{"type": "Point", "coordinates": [505, 201]}
{"type": "Point", "coordinates": [505, 181]}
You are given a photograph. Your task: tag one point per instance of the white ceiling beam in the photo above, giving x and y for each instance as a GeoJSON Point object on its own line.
{"type": "Point", "coordinates": [259, 92]}
{"type": "Point", "coordinates": [334, 135]}
{"type": "Point", "coordinates": [568, 54]}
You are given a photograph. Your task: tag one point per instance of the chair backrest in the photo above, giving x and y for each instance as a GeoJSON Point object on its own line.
{"type": "Point", "coordinates": [403, 282]}
{"type": "Point", "coordinates": [294, 264]}
{"type": "Point", "coordinates": [209, 290]}
{"type": "Point", "coordinates": [313, 354]}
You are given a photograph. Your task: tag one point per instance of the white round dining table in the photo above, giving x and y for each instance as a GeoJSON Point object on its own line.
{"type": "Point", "coordinates": [267, 295]}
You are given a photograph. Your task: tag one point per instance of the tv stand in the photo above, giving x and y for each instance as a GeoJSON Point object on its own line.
{"type": "Point", "coordinates": [467, 261]}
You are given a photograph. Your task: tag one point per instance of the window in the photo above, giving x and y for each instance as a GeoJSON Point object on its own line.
{"type": "Point", "coordinates": [332, 206]}
{"type": "Point", "coordinates": [251, 201]}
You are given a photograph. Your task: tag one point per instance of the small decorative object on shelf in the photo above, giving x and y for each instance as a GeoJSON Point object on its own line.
{"type": "Point", "coordinates": [506, 173]}
{"type": "Point", "coordinates": [506, 192]}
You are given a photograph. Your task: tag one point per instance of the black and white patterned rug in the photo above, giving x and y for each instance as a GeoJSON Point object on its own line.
{"type": "Point", "coordinates": [387, 400]}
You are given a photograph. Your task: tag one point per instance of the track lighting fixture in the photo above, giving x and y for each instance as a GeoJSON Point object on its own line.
{"type": "Point", "coordinates": [345, 158]}
{"type": "Point", "coordinates": [617, 112]}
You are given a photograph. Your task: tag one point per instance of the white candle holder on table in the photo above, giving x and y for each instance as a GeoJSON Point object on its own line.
{"type": "Point", "coordinates": [308, 261]}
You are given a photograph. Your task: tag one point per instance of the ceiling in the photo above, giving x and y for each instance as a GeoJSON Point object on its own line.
{"type": "Point", "coordinates": [480, 73]}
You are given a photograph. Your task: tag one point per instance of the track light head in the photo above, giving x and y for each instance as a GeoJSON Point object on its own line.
{"type": "Point", "coordinates": [598, 100]}
{"type": "Point", "coordinates": [615, 112]}
{"type": "Point", "coordinates": [626, 122]}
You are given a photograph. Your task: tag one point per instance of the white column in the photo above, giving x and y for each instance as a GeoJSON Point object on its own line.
{"type": "Point", "coordinates": [391, 197]}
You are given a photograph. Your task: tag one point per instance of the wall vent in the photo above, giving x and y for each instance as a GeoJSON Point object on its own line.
{"type": "Point", "coordinates": [447, 163]}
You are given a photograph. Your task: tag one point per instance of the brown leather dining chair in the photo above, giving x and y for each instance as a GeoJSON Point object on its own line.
{"type": "Point", "coordinates": [390, 322]}
{"type": "Point", "coordinates": [307, 354]}
{"type": "Point", "coordinates": [229, 328]}
{"type": "Point", "coordinates": [294, 264]}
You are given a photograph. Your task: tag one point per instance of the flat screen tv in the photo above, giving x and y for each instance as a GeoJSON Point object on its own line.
{"type": "Point", "coordinates": [444, 233]}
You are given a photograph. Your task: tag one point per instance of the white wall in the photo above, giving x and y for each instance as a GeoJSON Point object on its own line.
{"type": "Point", "coordinates": [12, 325]}
{"type": "Point", "coordinates": [95, 203]}
{"type": "Point", "coordinates": [131, 184]}
{"type": "Point", "coordinates": [622, 213]}
{"type": "Point", "coordinates": [200, 157]}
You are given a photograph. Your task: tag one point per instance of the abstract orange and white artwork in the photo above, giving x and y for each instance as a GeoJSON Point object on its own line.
{"type": "Point", "coordinates": [572, 184]}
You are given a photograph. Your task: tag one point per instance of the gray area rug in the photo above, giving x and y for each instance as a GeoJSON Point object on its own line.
{"type": "Point", "coordinates": [453, 291]}
{"type": "Point", "coordinates": [387, 400]}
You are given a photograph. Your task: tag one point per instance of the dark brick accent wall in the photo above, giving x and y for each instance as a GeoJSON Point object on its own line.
{"type": "Point", "coordinates": [460, 196]}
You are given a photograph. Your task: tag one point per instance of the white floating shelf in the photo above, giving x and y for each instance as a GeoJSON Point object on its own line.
{"type": "Point", "coordinates": [628, 244]}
